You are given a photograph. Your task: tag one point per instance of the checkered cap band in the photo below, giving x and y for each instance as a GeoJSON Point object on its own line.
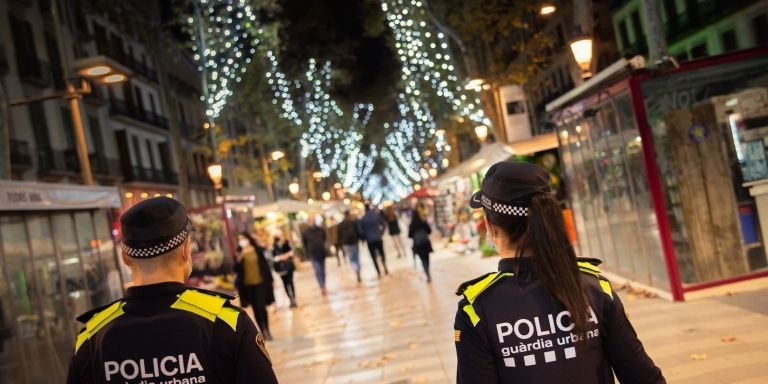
{"type": "Point", "coordinates": [142, 253]}
{"type": "Point", "coordinates": [503, 208]}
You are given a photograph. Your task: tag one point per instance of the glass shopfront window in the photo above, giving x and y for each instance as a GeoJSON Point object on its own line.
{"type": "Point", "coordinates": [710, 131]}
{"type": "Point", "coordinates": [603, 160]}
{"type": "Point", "coordinates": [52, 265]}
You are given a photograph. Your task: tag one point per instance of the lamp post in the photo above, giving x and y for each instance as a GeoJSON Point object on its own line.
{"type": "Point", "coordinates": [581, 47]}
{"type": "Point", "coordinates": [547, 9]}
{"type": "Point", "coordinates": [293, 187]}
{"type": "Point", "coordinates": [215, 173]}
{"type": "Point", "coordinates": [482, 133]}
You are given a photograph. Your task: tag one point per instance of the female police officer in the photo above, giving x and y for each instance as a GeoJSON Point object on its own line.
{"type": "Point", "coordinates": [546, 316]}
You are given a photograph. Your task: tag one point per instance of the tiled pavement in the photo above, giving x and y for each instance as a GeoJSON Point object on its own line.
{"type": "Point", "coordinates": [400, 329]}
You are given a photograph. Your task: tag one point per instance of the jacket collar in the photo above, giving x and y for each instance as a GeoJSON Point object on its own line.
{"type": "Point", "coordinates": [169, 288]}
{"type": "Point", "coordinates": [516, 265]}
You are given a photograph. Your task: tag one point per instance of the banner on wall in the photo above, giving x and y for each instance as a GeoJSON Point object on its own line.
{"type": "Point", "coordinates": [32, 196]}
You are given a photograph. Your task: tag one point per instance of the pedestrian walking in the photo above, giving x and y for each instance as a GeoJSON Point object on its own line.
{"type": "Point", "coordinates": [390, 215]}
{"type": "Point", "coordinates": [173, 332]}
{"type": "Point", "coordinates": [372, 225]}
{"type": "Point", "coordinates": [282, 252]}
{"type": "Point", "coordinates": [333, 239]}
{"type": "Point", "coordinates": [546, 316]}
{"type": "Point", "coordinates": [419, 231]}
{"type": "Point", "coordinates": [254, 280]}
{"type": "Point", "coordinates": [315, 243]}
{"type": "Point", "coordinates": [349, 236]}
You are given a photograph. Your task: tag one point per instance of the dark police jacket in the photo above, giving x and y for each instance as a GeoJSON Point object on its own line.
{"type": "Point", "coordinates": [172, 334]}
{"type": "Point", "coordinates": [509, 329]}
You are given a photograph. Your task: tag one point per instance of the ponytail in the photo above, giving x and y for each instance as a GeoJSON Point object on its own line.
{"type": "Point", "coordinates": [554, 260]}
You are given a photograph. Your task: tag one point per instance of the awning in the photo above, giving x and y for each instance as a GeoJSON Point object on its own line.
{"type": "Point", "coordinates": [493, 153]}
{"type": "Point", "coordinates": [282, 206]}
{"type": "Point", "coordinates": [27, 196]}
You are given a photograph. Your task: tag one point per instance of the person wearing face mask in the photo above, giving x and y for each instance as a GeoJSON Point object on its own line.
{"type": "Point", "coordinates": [254, 280]}
{"type": "Point", "coordinates": [172, 331]}
{"type": "Point", "coordinates": [315, 242]}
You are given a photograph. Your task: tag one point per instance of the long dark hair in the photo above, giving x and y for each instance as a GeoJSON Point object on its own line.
{"type": "Point", "coordinates": [542, 235]}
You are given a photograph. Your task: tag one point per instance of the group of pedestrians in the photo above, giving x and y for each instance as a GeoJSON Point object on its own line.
{"type": "Point", "coordinates": [370, 229]}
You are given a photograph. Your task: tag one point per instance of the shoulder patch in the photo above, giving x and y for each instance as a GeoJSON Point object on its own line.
{"type": "Point", "coordinates": [209, 305]}
{"type": "Point", "coordinates": [463, 287]}
{"type": "Point", "coordinates": [97, 321]}
{"type": "Point", "coordinates": [88, 315]}
{"type": "Point", "coordinates": [225, 295]}
{"type": "Point", "coordinates": [589, 266]}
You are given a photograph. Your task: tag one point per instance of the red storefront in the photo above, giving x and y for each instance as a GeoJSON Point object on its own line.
{"type": "Point", "coordinates": [666, 170]}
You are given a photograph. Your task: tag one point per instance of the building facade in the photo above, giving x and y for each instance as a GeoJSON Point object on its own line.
{"type": "Point", "coordinates": [694, 29]}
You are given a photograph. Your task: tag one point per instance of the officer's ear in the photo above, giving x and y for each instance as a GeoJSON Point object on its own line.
{"type": "Point", "coordinates": [126, 259]}
{"type": "Point", "coordinates": [186, 251]}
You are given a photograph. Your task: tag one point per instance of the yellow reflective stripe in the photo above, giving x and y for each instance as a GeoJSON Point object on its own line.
{"type": "Point", "coordinates": [474, 290]}
{"type": "Point", "coordinates": [229, 316]}
{"type": "Point", "coordinates": [473, 317]}
{"type": "Point", "coordinates": [208, 306]}
{"type": "Point", "coordinates": [97, 322]}
{"type": "Point", "coordinates": [584, 265]}
{"type": "Point", "coordinates": [606, 286]}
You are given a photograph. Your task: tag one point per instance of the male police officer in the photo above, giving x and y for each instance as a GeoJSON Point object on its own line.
{"type": "Point", "coordinates": [164, 331]}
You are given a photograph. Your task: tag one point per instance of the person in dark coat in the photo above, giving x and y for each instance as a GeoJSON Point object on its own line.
{"type": "Point", "coordinates": [283, 265]}
{"type": "Point", "coordinates": [390, 214]}
{"type": "Point", "coordinates": [372, 226]}
{"type": "Point", "coordinates": [254, 280]}
{"type": "Point", "coordinates": [419, 232]}
{"type": "Point", "coordinates": [315, 241]}
{"type": "Point", "coordinates": [349, 237]}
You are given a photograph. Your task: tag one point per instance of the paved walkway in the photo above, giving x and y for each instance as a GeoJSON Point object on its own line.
{"type": "Point", "coordinates": [400, 329]}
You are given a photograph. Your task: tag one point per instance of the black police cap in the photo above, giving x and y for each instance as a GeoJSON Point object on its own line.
{"type": "Point", "coordinates": [509, 186]}
{"type": "Point", "coordinates": [154, 227]}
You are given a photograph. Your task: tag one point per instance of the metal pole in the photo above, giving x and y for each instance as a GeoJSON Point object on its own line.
{"type": "Point", "coordinates": [77, 123]}
{"type": "Point", "coordinates": [654, 34]}
{"type": "Point", "coordinates": [74, 100]}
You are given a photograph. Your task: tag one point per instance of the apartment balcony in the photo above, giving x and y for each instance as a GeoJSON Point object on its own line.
{"type": "Point", "coordinates": [200, 180]}
{"type": "Point", "coordinates": [706, 12]}
{"type": "Point", "coordinates": [105, 167]}
{"type": "Point", "coordinates": [35, 71]}
{"type": "Point", "coordinates": [21, 155]}
{"type": "Point", "coordinates": [150, 175]}
{"type": "Point", "coordinates": [141, 68]}
{"type": "Point", "coordinates": [57, 162]}
{"type": "Point", "coordinates": [121, 108]}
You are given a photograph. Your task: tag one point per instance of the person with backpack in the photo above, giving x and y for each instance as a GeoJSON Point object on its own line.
{"type": "Point", "coordinates": [419, 231]}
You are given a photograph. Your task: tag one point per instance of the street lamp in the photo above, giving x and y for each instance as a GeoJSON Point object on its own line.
{"type": "Point", "coordinates": [482, 132]}
{"type": "Point", "coordinates": [277, 155]}
{"type": "Point", "coordinates": [474, 84]}
{"type": "Point", "coordinates": [547, 9]}
{"type": "Point", "coordinates": [582, 53]}
{"type": "Point", "coordinates": [317, 175]}
{"type": "Point", "coordinates": [326, 195]}
{"type": "Point", "coordinates": [293, 188]}
{"type": "Point", "coordinates": [215, 173]}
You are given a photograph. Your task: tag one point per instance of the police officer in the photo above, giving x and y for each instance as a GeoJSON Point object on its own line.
{"type": "Point", "coordinates": [545, 316]}
{"type": "Point", "coordinates": [163, 331]}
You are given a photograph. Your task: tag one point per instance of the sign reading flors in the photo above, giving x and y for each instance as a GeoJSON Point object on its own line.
{"type": "Point", "coordinates": [27, 196]}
